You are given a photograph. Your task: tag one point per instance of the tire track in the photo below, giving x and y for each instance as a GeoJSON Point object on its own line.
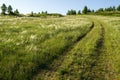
{"type": "Point", "coordinates": [80, 67]}
{"type": "Point", "coordinates": [100, 67]}
{"type": "Point", "coordinates": [50, 71]}
{"type": "Point", "coordinates": [89, 72]}
{"type": "Point", "coordinates": [103, 69]}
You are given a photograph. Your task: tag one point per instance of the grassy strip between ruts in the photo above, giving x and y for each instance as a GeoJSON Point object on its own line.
{"type": "Point", "coordinates": [79, 64]}
{"type": "Point", "coordinates": [51, 69]}
{"type": "Point", "coordinates": [78, 58]}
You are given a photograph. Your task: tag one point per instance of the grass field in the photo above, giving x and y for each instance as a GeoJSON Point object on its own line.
{"type": "Point", "coordinates": [66, 48]}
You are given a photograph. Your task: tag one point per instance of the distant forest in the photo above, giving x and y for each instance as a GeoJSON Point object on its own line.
{"type": "Point", "coordinates": [87, 10]}
{"type": "Point", "coordinates": [101, 11]}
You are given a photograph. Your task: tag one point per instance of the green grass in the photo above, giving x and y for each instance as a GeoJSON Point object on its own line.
{"type": "Point", "coordinates": [112, 41]}
{"type": "Point", "coordinates": [64, 48]}
{"type": "Point", "coordinates": [27, 48]}
{"type": "Point", "coordinates": [82, 57]}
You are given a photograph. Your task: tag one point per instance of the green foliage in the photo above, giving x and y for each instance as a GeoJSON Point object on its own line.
{"type": "Point", "coordinates": [32, 14]}
{"type": "Point", "coordinates": [107, 9]}
{"type": "Point", "coordinates": [85, 10]}
{"type": "Point", "coordinates": [44, 14]}
{"type": "Point", "coordinates": [4, 9]}
{"type": "Point", "coordinates": [71, 12]}
{"type": "Point", "coordinates": [100, 10]}
{"type": "Point", "coordinates": [89, 11]}
{"type": "Point", "coordinates": [79, 12]}
{"type": "Point", "coordinates": [16, 12]}
{"type": "Point", "coordinates": [110, 8]}
{"type": "Point", "coordinates": [10, 12]}
{"type": "Point", "coordinates": [114, 9]}
{"type": "Point", "coordinates": [55, 15]}
{"type": "Point", "coordinates": [118, 8]}
{"type": "Point", "coordinates": [92, 11]}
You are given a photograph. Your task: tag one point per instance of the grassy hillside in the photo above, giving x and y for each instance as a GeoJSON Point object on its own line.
{"type": "Point", "coordinates": [65, 48]}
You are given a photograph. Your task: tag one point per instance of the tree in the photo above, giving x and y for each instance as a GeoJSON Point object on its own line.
{"type": "Point", "coordinates": [118, 8]}
{"type": "Point", "coordinates": [16, 12]}
{"type": "Point", "coordinates": [32, 13]}
{"type": "Point", "coordinates": [68, 13]}
{"type": "Point", "coordinates": [10, 12]}
{"type": "Point", "coordinates": [85, 10]}
{"type": "Point", "coordinates": [110, 8]}
{"type": "Point", "coordinates": [93, 11]}
{"type": "Point", "coordinates": [100, 10]}
{"type": "Point", "coordinates": [79, 12]}
{"type": "Point", "coordinates": [88, 10]}
{"type": "Point", "coordinates": [71, 12]}
{"type": "Point", "coordinates": [38, 12]}
{"type": "Point", "coordinates": [46, 12]}
{"type": "Point", "coordinates": [114, 9]}
{"type": "Point", "coordinates": [4, 9]}
{"type": "Point", "coordinates": [42, 12]}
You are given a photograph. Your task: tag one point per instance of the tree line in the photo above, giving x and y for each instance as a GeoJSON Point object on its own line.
{"type": "Point", "coordinates": [87, 10]}
{"type": "Point", "coordinates": [43, 14]}
{"type": "Point", "coordinates": [9, 10]}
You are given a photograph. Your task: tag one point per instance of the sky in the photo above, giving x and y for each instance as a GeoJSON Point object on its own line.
{"type": "Point", "coordinates": [57, 6]}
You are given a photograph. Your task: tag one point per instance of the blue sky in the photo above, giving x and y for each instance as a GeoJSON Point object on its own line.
{"type": "Point", "coordinates": [57, 6]}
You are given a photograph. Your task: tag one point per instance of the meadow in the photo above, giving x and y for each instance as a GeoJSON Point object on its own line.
{"type": "Point", "coordinates": [83, 47]}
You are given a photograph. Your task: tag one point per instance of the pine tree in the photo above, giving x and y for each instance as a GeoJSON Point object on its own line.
{"type": "Point", "coordinates": [68, 13]}
{"type": "Point", "coordinates": [16, 12]}
{"type": "Point", "coordinates": [93, 11]}
{"type": "Point", "coordinates": [46, 12]}
{"type": "Point", "coordinates": [88, 10]}
{"type": "Point", "coordinates": [100, 10]}
{"type": "Point", "coordinates": [85, 10]}
{"type": "Point", "coordinates": [114, 9]}
{"type": "Point", "coordinates": [118, 8]}
{"type": "Point", "coordinates": [10, 12]}
{"type": "Point", "coordinates": [71, 12]}
{"type": "Point", "coordinates": [79, 12]}
{"type": "Point", "coordinates": [4, 9]}
{"type": "Point", "coordinates": [32, 14]}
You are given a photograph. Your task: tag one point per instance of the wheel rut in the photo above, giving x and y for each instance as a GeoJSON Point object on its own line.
{"type": "Point", "coordinates": [90, 72]}
{"type": "Point", "coordinates": [49, 72]}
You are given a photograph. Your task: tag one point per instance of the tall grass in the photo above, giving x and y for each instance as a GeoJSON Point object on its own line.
{"type": "Point", "coordinates": [29, 44]}
{"type": "Point", "coordinates": [77, 64]}
{"type": "Point", "coordinates": [112, 41]}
